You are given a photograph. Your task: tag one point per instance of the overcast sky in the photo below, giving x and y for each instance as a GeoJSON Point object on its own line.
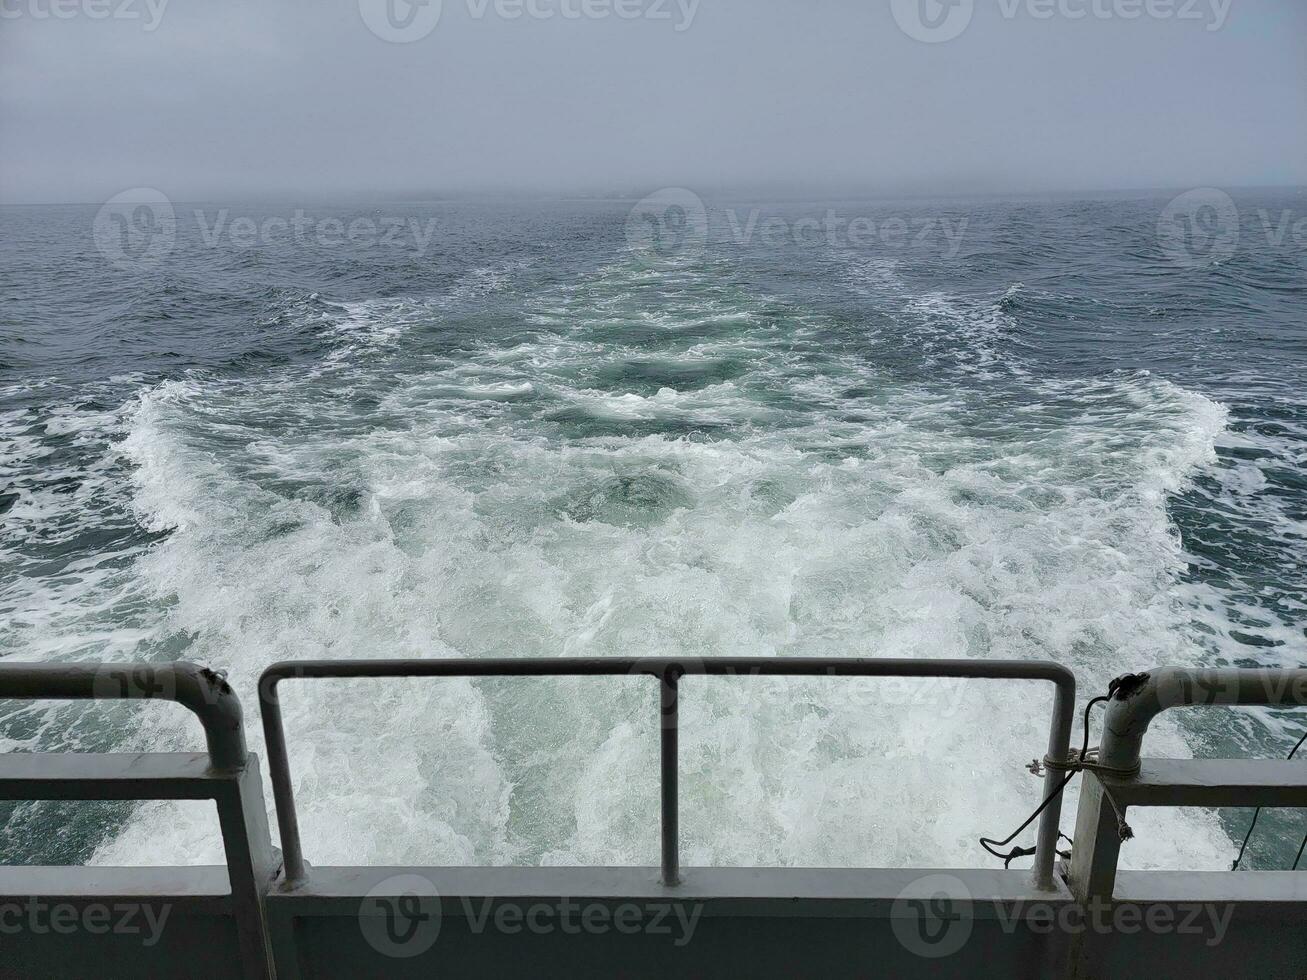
{"type": "Point", "coordinates": [301, 98]}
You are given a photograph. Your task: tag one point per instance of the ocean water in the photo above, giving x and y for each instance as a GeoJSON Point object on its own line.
{"type": "Point", "coordinates": [989, 429]}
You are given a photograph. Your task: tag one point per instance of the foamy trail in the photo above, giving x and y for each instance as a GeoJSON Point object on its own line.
{"type": "Point", "coordinates": [547, 495]}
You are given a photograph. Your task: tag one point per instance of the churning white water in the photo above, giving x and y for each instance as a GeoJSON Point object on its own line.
{"type": "Point", "coordinates": [546, 490]}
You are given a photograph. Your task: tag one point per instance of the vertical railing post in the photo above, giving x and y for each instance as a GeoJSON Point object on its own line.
{"type": "Point", "coordinates": [1059, 746]}
{"type": "Point", "coordinates": [283, 791]}
{"type": "Point", "coordinates": [251, 866]}
{"type": "Point", "coordinates": [1097, 850]}
{"type": "Point", "coordinates": [669, 682]}
{"type": "Point", "coordinates": [1094, 857]}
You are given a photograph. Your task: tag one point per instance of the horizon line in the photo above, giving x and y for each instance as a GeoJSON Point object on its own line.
{"type": "Point", "coordinates": [781, 190]}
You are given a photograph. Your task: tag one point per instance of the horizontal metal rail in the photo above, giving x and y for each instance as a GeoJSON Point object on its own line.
{"type": "Point", "coordinates": [668, 671]}
{"type": "Point", "coordinates": [205, 692]}
{"type": "Point", "coordinates": [1130, 714]}
{"type": "Point", "coordinates": [1211, 782]}
{"type": "Point", "coordinates": [228, 774]}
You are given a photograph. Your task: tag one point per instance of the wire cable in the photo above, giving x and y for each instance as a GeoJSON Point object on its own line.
{"type": "Point", "coordinates": [989, 844]}
{"type": "Point", "coordinates": [1258, 812]}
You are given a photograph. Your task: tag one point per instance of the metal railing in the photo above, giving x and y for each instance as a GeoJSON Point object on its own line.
{"type": "Point", "coordinates": [1116, 779]}
{"type": "Point", "coordinates": [205, 692]}
{"type": "Point", "coordinates": [228, 773]}
{"type": "Point", "coordinates": [1127, 780]}
{"type": "Point", "coordinates": [668, 671]}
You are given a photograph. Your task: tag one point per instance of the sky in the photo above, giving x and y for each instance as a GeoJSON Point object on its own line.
{"type": "Point", "coordinates": [312, 99]}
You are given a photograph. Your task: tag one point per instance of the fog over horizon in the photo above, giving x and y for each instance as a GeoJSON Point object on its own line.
{"type": "Point", "coordinates": [343, 98]}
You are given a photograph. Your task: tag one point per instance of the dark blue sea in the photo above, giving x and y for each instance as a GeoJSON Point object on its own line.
{"type": "Point", "coordinates": [1044, 428]}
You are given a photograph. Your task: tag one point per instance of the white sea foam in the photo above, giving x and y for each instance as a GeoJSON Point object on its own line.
{"type": "Point", "coordinates": [899, 530]}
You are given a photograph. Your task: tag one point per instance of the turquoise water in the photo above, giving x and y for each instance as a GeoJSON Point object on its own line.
{"type": "Point", "coordinates": [1011, 429]}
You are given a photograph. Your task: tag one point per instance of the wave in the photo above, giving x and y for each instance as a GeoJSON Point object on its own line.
{"type": "Point", "coordinates": [842, 512]}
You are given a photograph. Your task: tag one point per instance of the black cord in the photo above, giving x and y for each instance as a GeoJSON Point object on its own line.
{"type": "Point", "coordinates": [1017, 852]}
{"type": "Point", "coordinates": [1234, 866]}
{"type": "Point", "coordinates": [1258, 812]}
{"type": "Point", "coordinates": [1302, 847]}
